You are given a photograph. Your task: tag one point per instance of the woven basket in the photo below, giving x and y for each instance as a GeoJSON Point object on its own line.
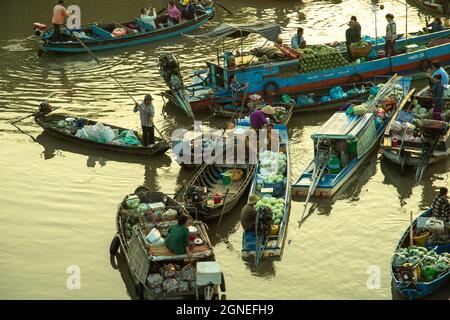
{"type": "Point", "coordinates": [236, 174]}
{"type": "Point", "coordinates": [360, 52]}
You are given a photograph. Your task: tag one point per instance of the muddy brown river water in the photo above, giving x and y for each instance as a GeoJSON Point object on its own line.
{"type": "Point", "coordinates": [58, 202]}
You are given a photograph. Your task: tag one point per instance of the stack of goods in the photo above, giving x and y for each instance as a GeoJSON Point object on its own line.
{"type": "Point", "coordinates": [68, 125]}
{"type": "Point", "coordinates": [320, 57]}
{"type": "Point", "coordinates": [272, 172]}
{"type": "Point", "coordinates": [372, 41]}
{"type": "Point", "coordinates": [146, 217]}
{"type": "Point", "coordinates": [428, 265]}
{"type": "Point", "coordinates": [171, 278]}
{"type": "Point", "coordinates": [335, 93]}
{"type": "Point", "coordinates": [105, 134]}
{"type": "Point", "coordinates": [280, 114]}
{"type": "Point", "coordinates": [276, 205]}
{"type": "Point", "coordinates": [266, 54]}
{"type": "Point", "coordinates": [360, 44]}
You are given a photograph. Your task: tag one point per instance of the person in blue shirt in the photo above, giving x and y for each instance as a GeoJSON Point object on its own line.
{"type": "Point", "coordinates": [297, 40]}
{"type": "Point", "coordinates": [437, 69]}
{"type": "Point", "coordinates": [436, 25]}
{"type": "Point", "coordinates": [437, 93]}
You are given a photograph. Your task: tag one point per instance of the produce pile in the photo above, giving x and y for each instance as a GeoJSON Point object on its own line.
{"type": "Point", "coordinates": [137, 216]}
{"type": "Point", "coordinates": [280, 114]}
{"type": "Point", "coordinates": [360, 44]}
{"type": "Point", "coordinates": [320, 57]}
{"type": "Point", "coordinates": [276, 205]}
{"type": "Point", "coordinates": [172, 278]}
{"type": "Point", "coordinates": [272, 172]}
{"type": "Point", "coordinates": [98, 132]}
{"type": "Point", "coordinates": [430, 267]}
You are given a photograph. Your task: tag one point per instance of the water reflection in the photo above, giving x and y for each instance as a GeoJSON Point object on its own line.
{"type": "Point", "coordinates": [265, 269]}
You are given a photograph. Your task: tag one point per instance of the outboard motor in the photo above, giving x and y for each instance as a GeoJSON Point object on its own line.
{"type": "Point", "coordinates": [170, 71]}
{"type": "Point", "coordinates": [432, 132]}
{"type": "Point", "coordinates": [39, 28]}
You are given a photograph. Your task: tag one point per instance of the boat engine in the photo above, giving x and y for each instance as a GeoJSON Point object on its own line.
{"type": "Point", "coordinates": [170, 71]}
{"type": "Point", "coordinates": [432, 132]}
{"type": "Point", "coordinates": [39, 28]}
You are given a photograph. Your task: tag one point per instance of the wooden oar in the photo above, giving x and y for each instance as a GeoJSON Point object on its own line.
{"type": "Point", "coordinates": [31, 115]}
{"type": "Point", "coordinates": [411, 231]}
{"type": "Point", "coordinates": [229, 11]}
{"type": "Point", "coordinates": [111, 75]}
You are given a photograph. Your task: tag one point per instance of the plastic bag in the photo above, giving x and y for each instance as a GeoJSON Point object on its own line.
{"type": "Point", "coordinates": [325, 99]}
{"type": "Point", "coordinates": [336, 93]}
{"type": "Point", "coordinates": [155, 280]}
{"type": "Point", "coordinates": [170, 285]}
{"type": "Point", "coordinates": [158, 242]}
{"type": "Point", "coordinates": [107, 134]}
{"type": "Point", "coordinates": [168, 270]}
{"type": "Point", "coordinates": [183, 286]}
{"type": "Point", "coordinates": [188, 272]}
{"type": "Point", "coordinates": [153, 235]}
{"type": "Point", "coordinates": [170, 214]}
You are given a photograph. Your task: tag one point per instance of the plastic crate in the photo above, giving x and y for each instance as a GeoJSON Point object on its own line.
{"type": "Point", "coordinates": [278, 188]}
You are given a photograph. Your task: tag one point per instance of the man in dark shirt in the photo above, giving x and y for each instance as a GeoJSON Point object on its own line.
{"type": "Point", "coordinates": [351, 36]}
{"type": "Point", "coordinates": [441, 204]}
{"type": "Point", "coordinates": [248, 213]}
{"type": "Point", "coordinates": [437, 92]}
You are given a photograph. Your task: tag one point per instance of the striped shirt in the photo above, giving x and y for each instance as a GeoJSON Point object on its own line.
{"type": "Point", "coordinates": [391, 30]}
{"type": "Point", "coordinates": [441, 207]}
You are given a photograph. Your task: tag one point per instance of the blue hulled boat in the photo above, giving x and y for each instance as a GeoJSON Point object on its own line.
{"type": "Point", "coordinates": [277, 196]}
{"type": "Point", "coordinates": [278, 75]}
{"type": "Point", "coordinates": [348, 138]}
{"type": "Point", "coordinates": [424, 268]}
{"type": "Point", "coordinates": [116, 35]}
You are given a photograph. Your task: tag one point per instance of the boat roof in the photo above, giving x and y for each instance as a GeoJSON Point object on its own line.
{"type": "Point", "coordinates": [343, 126]}
{"type": "Point", "coordinates": [268, 30]}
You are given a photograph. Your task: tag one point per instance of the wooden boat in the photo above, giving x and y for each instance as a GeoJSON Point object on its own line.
{"type": "Point", "coordinates": [99, 37]}
{"type": "Point", "coordinates": [48, 122]}
{"type": "Point", "coordinates": [424, 96]}
{"type": "Point", "coordinates": [319, 98]}
{"type": "Point", "coordinates": [345, 141]}
{"type": "Point", "coordinates": [408, 277]}
{"type": "Point", "coordinates": [408, 147]}
{"type": "Point", "coordinates": [286, 77]}
{"type": "Point", "coordinates": [430, 6]}
{"type": "Point", "coordinates": [231, 111]}
{"type": "Point", "coordinates": [209, 182]}
{"type": "Point", "coordinates": [273, 244]}
{"type": "Point", "coordinates": [146, 260]}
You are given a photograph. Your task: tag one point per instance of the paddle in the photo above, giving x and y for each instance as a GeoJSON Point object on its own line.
{"type": "Point", "coordinates": [229, 11]}
{"type": "Point", "coordinates": [411, 231]}
{"type": "Point", "coordinates": [111, 75]}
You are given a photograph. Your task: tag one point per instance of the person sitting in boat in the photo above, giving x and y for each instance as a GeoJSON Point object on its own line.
{"type": "Point", "coordinates": [437, 69]}
{"type": "Point", "coordinates": [248, 213]}
{"type": "Point", "coordinates": [351, 36]}
{"type": "Point", "coordinates": [147, 18]}
{"type": "Point", "coordinates": [441, 204]}
{"type": "Point", "coordinates": [59, 13]}
{"type": "Point", "coordinates": [297, 40]}
{"type": "Point", "coordinates": [391, 35]}
{"type": "Point", "coordinates": [177, 239]}
{"type": "Point", "coordinates": [188, 11]}
{"type": "Point", "coordinates": [174, 14]}
{"type": "Point", "coordinates": [435, 25]}
{"type": "Point", "coordinates": [236, 89]}
{"type": "Point", "coordinates": [197, 198]}
{"type": "Point", "coordinates": [437, 95]}
{"type": "Point", "coordinates": [260, 117]}
{"type": "Point", "coordinates": [146, 112]}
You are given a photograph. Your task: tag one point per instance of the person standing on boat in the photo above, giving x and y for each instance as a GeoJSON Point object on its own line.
{"type": "Point", "coordinates": [147, 18]}
{"type": "Point", "coordinates": [177, 239]}
{"type": "Point", "coordinates": [356, 25]}
{"type": "Point", "coordinates": [437, 69]}
{"type": "Point", "coordinates": [351, 36]}
{"type": "Point", "coordinates": [248, 213]}
{"type": "Point", "coordinates": [436, 25]}
{"type": "Point", "coordinates": [59, 14]}
{"type": "Point", "coordinates": [441, 204]}
{"type": "Point", "coordinates": [236, 89]}
{"type": "Point", "coordinates": [437, 94]}
{"type": "Point", "coordinates": [391, 36]}
{"type": "Point", "coordinates": [174, 14]}
{"type": "Point", "coordinates": [297, 40]}
{"type": "Point", "coordinates": [146, 112]}
{"type": "Point", "coordinates": [259, 117]}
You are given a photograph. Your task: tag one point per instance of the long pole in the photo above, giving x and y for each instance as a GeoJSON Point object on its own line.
{"type": "Point", "coordinates": [111, 75]}
{"type": "Point", "coordinates": [411, 231]}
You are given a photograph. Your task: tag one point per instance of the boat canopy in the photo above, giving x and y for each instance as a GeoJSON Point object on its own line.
{"type": "Point", "coordinates": [268, 30]}
{"type": "Point", "coordinates": [343, 126]}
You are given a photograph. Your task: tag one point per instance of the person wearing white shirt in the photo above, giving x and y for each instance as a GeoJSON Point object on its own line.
{"type": "Point", "coordinates": [147, 18]}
